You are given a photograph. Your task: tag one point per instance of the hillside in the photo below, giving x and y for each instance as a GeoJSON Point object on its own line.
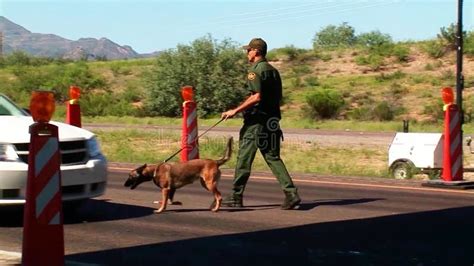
{"type": "Point", "coordinates": [17, 38]}
{"type": "Point", "coordinates": [411, 89]}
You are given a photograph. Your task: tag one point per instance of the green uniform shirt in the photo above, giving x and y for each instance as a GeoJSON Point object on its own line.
{"type": "Point", "coordinates": [265, 79]}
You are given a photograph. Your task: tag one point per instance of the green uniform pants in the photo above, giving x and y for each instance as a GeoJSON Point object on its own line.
{"type": "Point", "coordinates": [255, 137]}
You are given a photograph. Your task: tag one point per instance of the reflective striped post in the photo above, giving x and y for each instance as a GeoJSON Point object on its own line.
{"type": "Point", "coordinates": [189, 141]}
{"type": "Point", "coordinates": [43, 235]}
{"type": "Point", "coordinates": [452, 150]}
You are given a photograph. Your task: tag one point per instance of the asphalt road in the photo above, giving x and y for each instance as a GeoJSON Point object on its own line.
{"type": "Point", "coordinates": [341, 221]}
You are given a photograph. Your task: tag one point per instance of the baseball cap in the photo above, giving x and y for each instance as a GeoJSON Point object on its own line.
{"type": "Point", "coordinates": [257, 43]}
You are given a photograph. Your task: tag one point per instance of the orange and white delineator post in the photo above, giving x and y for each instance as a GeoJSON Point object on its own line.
{"type": "Point", "coordinates": [73, 109]}
{"type": "Point", "coordinates": [189, 141]}
{"type": "Point", "coordinates": [43, 234]}
{"type": "Point", "coordinates": [452, 146]}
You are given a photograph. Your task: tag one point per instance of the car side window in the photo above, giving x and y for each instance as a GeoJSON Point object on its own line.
{"type": "Point", "coordinates": [4, 111]}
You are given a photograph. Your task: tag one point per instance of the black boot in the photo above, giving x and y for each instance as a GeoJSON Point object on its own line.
{"type": "Point", "coordinates": [233, 201]}
{"type": "Point", "coordinates": [291, 201]}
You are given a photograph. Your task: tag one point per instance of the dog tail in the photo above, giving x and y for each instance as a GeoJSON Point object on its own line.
{"type": "Point", "coordinates": [227, 154]}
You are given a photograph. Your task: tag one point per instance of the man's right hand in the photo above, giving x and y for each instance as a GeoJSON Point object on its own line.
{"type": "Point", "coordinates": [228, 114]}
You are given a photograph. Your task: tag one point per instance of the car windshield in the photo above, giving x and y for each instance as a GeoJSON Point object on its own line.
{"type": "Point", "coordinates": [7, 107]}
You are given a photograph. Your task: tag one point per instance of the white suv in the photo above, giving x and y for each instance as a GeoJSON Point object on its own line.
{"type": "Point", "coordinates": [83, 167]}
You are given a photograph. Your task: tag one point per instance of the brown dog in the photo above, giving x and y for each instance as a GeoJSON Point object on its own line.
{"type": "Point", "coordinates": [171, 176]}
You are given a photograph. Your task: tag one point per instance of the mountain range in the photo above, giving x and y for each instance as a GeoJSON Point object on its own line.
{"type": "Point", "coordinates": [17, 38]}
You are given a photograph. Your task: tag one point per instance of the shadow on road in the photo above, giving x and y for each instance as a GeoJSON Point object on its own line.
{"type": "Point", "coordinates": [92, 210]}
{"type": "Point", "coordinates": [304, 206]}
{"type": "Point", "coordinates": [441, 237]}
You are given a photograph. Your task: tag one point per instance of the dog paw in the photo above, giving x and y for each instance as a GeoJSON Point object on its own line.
{"type": "Point", "coordinates": [158, 211]}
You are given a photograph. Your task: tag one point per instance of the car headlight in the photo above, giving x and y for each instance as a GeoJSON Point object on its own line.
{"type": "Point", "coordinates": [93, 147]}
{"type": "Point", "coordinates": [8, 153]}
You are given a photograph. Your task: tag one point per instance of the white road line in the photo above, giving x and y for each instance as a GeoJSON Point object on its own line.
{"type": "Point", "coordinates": [345, 183]}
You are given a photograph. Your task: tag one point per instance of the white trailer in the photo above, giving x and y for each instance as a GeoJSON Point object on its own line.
{"type": "Point", "coordinates": [411, 153]}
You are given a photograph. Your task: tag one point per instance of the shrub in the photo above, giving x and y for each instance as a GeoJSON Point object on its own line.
{"type": "Point", "coordinates": [291, 52]}
{"type": "Point", "coordinates": [429, 67]}
{"type": "Point", "coordinates": [57, 78]}
{"type": "Point", "coordinates": [373, 40]}
{"type": "Point", "coordinates": [312, 81]}
{"type": "Point", "coordinates": [434, 110]}
{"type": "Point", "coordinates": [384, 112]}
{"type": "Point", "coordinates": [106, 104]}
{"type": "Point", "coordinates": [334, 36]}
{"type": "Point", "coordinates": [402, 53]}
{"type": "Point", "coordinates": [397, 91]}
{"type": "Point", "coordinates": [325, 103]}
{"type": "Point", "coordinates": [393, 76]}
{"type": "Point", "coordinates": [469, 44]}
{"type": "Point", "coordinates": [300, 70]}
{"type": "Point", "coordinates": [216, 70]}
{"type": "Point", "coordinates": [434, 49]}
{"type": "Point", "coordinates": [361, 114]}
{"type": "Point", "coordinates": [448, 36]}
{"type": "Point", "coordinates": [374, 61]}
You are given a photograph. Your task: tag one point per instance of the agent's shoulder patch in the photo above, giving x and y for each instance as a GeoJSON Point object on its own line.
{"type": "Point", "coordinates": [251, 76]}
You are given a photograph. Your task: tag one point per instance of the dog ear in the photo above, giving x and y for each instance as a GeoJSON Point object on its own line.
{"type": "Point", "coordinates": [140, 169]}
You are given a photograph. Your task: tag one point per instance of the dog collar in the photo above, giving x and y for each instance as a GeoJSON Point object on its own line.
{"type": "Point", "coordinates": [154, 172]}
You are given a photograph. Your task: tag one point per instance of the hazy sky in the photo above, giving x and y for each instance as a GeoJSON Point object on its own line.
{"type": "Point", "coordinates": [153, 25]}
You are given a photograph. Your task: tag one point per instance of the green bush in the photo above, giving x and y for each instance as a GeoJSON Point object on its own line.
{"type": "Point", "coordinates": [434, 49]}
{"type": "Point", "coordinates": [469, 44]}
{"type": "Point", "coordinates": [374, 61]}
{"type": "Point", "coordinates": [300, 70]}
{"type": "Point", "coordinates": [333, 36]}
{"type": "Point", "coordinates": [106, 104]}
{"type": "Point", "coordinates": [120, 69]}
{"type": "Point", "coordinates": [19, 58]}
{"type": "Point", "coordinates": [402, 53]}
{"type": "Point", "coordinates": [361, 114]}
{"type": "Point", "coordinates": [291, 52]}
{"type": "Point", "coordinates": [373, 40]}
{"type": "Point", "coordinates": [429, 67]}
{"type": "Point", "coordinates": [312, 81]}
{"type": "Point", "coordinates": [448, 36]}
{"type": "Point", "coordinates": [434, 110]}
{"type": "Point", "coordinates": [325, 103]}
{"type": "Point", "coordinates": [216, 70]}
{"type": "Point", "coordinates": [384, 112]}
{"type": "Point", "coordinates": [388, 77]}
{"type": "Point", "coordinates": [57, 78]}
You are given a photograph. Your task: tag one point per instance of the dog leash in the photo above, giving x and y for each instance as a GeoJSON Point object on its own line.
{"type": "Point", "coordinates": [174, 154]}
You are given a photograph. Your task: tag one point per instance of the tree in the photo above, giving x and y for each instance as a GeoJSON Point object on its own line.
{"type": "Point", "coordinates": [216, 70]}
{"type": "Point", "coordinates": [374, 39]}
{"type": "Point", "coordinates": [448, 35]}
{"type": "Point", "coordinates": [334, 36]}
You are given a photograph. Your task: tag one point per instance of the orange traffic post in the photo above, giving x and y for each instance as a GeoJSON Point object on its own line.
{"type": "Point", "coordinates": [43, 235]}
{"type": "Point", "coordinates": [452, 172]}
{"type": "Point", "coordinates": [73, 109]}
{"type": "Point", "coordinates": [189, 142]}
{"type": "Point", "coordinates": [452, 148]}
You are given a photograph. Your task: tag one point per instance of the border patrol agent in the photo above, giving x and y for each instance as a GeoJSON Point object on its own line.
{"type": "Point", "coordinates": [261, 129]}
